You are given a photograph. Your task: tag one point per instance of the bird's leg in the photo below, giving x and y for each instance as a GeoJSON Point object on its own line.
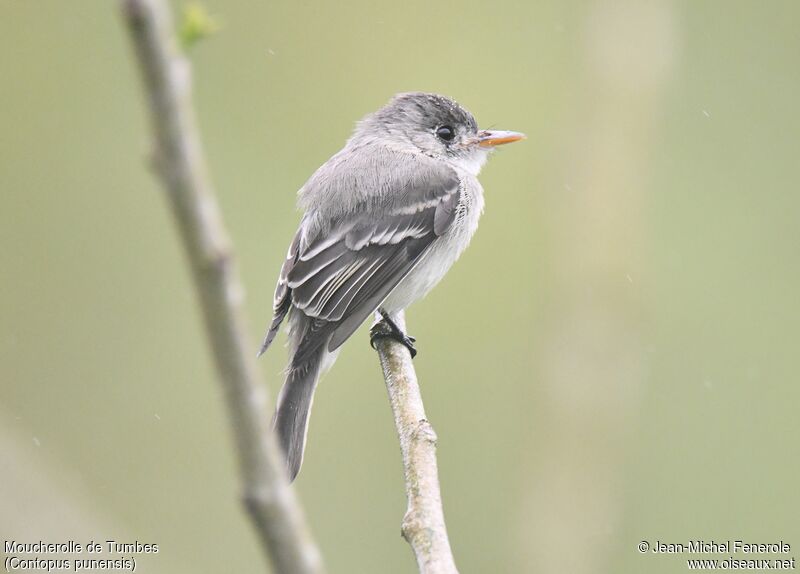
{"type": "Point", "coordinates": [387, 328]}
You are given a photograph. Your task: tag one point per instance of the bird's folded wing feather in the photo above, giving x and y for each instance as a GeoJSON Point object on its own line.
{"type": "Point", "coordinates": [341, 276]}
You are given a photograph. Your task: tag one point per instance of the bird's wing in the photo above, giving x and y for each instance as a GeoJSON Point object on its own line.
{"type": "Point", "coordinates": [340, 277]}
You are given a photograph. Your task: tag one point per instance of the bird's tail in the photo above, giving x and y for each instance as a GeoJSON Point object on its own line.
{"type": "Point", "coordinates": [294, 401]}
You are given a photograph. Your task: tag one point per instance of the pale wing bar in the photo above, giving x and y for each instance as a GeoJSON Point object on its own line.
{"type": "Point", "coordinates": [341, 277]}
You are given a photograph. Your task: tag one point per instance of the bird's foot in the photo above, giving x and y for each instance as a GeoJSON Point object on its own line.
{"type": "Point", "coordinates": [388, 329]}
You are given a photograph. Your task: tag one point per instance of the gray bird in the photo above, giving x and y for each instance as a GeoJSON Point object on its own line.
{"type": "Point", "coordinates": [384, 220]}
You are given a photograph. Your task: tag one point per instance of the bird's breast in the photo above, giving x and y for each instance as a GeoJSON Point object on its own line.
{"type": "Point", "coordinates": [443, 252]}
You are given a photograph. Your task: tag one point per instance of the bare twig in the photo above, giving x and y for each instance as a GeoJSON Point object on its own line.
{"type": "Point", "coordinates": [179, 161]}
{"type": "Point", "coordinates": [423, 524]}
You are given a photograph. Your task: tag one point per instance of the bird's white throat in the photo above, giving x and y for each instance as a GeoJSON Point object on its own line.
{"type": "Point", "coordinates": [473, 163]}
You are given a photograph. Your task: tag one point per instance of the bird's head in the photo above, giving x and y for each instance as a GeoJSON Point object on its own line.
{"type": "Point", "coordinates": [434, 125]}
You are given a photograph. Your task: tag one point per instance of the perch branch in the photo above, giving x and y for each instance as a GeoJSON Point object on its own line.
{"type": "Point", "coordinates": [268, 498]}
{"type": "Point", "coordinates": [423, 525]}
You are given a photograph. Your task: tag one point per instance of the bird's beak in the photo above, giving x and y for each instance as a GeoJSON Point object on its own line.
{"type": "Point", "coordinates": [491, 138]}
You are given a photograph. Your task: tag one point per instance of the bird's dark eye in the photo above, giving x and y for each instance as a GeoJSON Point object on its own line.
{"type": "Point", "coordinates": [446, 133]}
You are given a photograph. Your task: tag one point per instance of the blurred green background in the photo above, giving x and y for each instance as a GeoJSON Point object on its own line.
{"type": "Point", "coordinates": [613, 360]}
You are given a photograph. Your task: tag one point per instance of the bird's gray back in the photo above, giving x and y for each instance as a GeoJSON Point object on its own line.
{"type": "Point", "coordinates": [372, 181]}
